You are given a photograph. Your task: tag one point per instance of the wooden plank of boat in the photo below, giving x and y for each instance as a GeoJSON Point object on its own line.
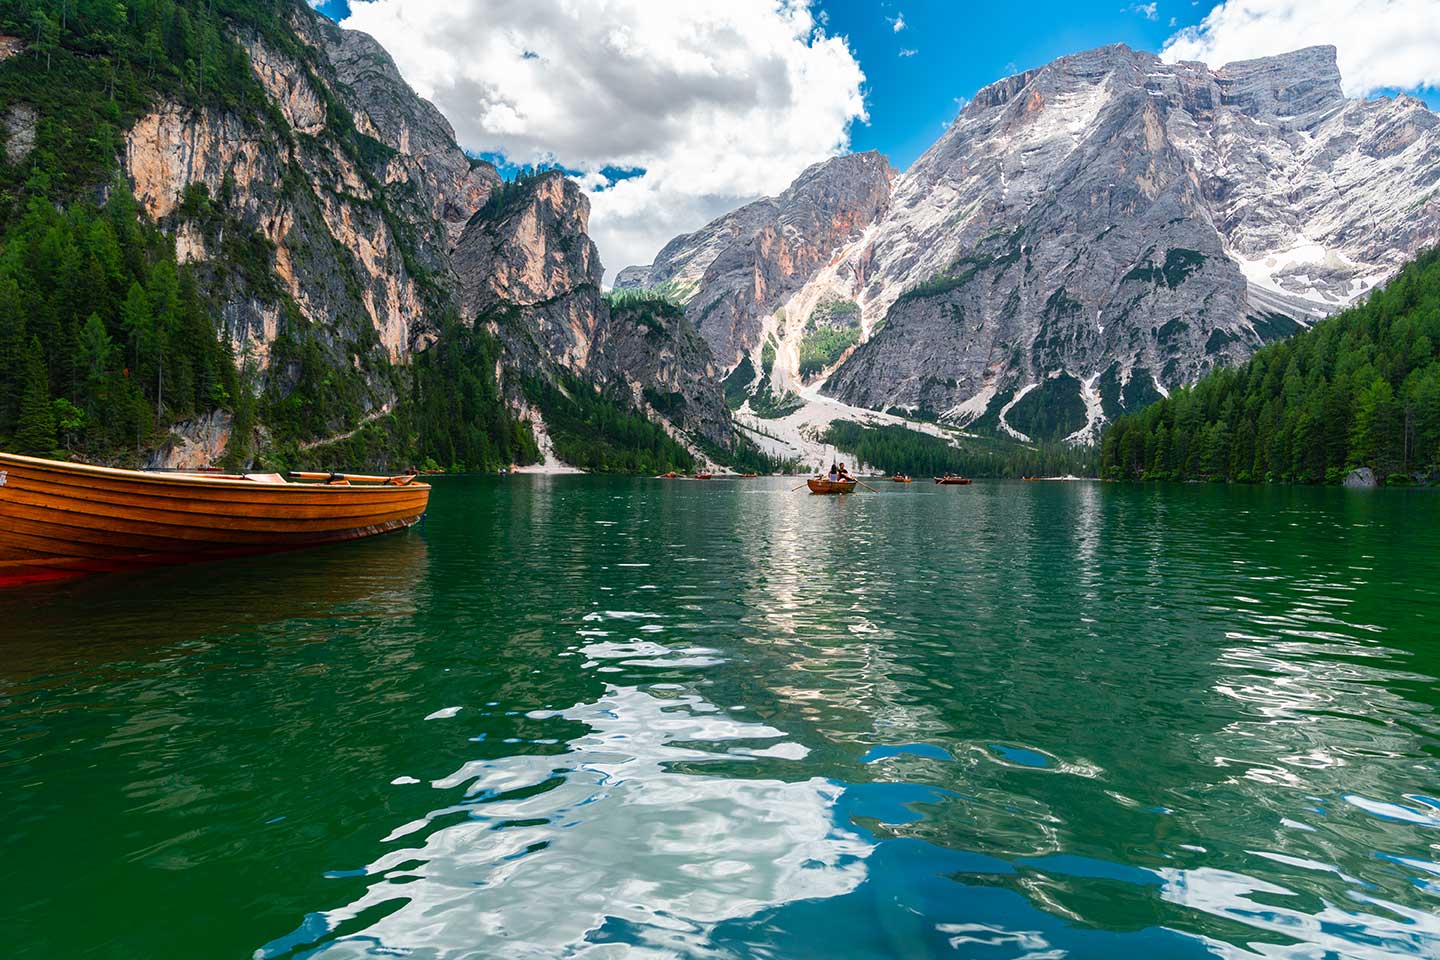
{"type": "Point", "coordinates": [66, 519]}
{"type": "Point", "coordinates": [951, 481]}
{"type": "Point", "coordinates": [826, 485]}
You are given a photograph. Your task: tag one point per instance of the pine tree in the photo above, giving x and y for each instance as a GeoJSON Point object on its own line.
{"type": "Point", "coordinates": [35, 426]}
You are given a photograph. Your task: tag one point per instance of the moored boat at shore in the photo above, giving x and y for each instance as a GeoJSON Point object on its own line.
{"type": "Point", "coordinates": [62, 520]}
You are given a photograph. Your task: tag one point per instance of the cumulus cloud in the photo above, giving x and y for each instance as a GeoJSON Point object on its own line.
{"type": "Point", "coordinates": [1147, 10]}
{"type": "Point", "coordinates": [716, 101]}
{"type": "Point", "coordinates": [1380, 43]}
{"type": "Point", "coordinates": [908, 52]}
{"type": "Point", "coordinates": [897, 22]}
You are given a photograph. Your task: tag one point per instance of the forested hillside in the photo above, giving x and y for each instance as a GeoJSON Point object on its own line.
{"type": "Point", "coordinates": [1359, 390]}
{"type": "Point", "coordinates": [103, 337]}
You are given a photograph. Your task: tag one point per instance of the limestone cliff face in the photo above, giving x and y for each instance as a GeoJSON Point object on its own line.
{"type": "Point", "coordinates": [740, 267]}
{"type": "Point", "coordinates": [1110, 225]}
{"type": "Point", "coordinates": [1089, 234]}
{"type": "Point", "coordinates": [351, 206]}
{"type": "Point", "coordinates": [528, 256]}
{"type": "Point", "coordinates": [529, 270]}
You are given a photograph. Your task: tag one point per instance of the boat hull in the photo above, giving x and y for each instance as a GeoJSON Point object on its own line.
{"type": "Point", "coordinates": [62, 520]}
{"type": "Point", "coordinates": [952, 481]}
{"type": "Point", "coordinates": [819, 485]}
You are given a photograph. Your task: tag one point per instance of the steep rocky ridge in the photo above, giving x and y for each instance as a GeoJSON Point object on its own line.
{"type": "Point", "coordinates": [529, 271]}
{"type": "Point", "coordinates": [739, 268]}
{"type": "Point", "coordinates": [354, 183]}
{"type": "Point", "coordinates": [1091, 233]}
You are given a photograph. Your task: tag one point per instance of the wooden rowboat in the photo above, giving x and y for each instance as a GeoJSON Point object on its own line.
{"type": "Point", "coordinates": [704, 476]}
{"type": "Point", "coordinates": [62, 520]}
{"type": "Point", "coordinates": [825, 485]}
{"type": "Point", "coordinates": [902, 478]}
{"type": "Point", "coordinates": [949, 480]}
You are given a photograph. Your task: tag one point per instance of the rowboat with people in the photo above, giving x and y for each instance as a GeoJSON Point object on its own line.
{"type": "Point", "coordinates": [826, 485]}
{"type": "Point", "coordinates": [60, 520]}
{"type": "Point", "coordinates": [902, 478]}
{"type": "Point", "coordinates": [951, 479]}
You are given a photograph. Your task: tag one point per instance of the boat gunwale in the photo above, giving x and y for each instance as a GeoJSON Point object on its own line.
{"type": "Point", "coordinates": [194, 480]}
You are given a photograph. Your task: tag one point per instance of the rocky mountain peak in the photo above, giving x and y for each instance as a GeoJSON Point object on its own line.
{"type": "Point", "coordinates": [1297, 86]}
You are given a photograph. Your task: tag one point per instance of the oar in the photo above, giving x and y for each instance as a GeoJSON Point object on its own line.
{"type": "Point", "coordinates": [356, 477]}
{"type": "Point", "coordinates": [805, 484]}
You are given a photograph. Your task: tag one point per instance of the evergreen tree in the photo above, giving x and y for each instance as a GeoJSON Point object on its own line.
{"type": "Point", "coordinates": [1360, 389]}
{"type": "Point", "coordinates": [35, 427]}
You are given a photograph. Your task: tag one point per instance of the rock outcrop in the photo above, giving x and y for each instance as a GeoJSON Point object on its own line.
{"type": "Point", "coordinates": [736, 270]}
{"type": "Point", "coordinates": [1088, 235]}
{"type": "Point", "coordinates": [335, 225]}
{"type": "Point", "coordinates": [528, 269]}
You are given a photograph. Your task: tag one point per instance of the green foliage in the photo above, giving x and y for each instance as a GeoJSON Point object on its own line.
{"type": "Point", "coordinates": [898, 449]}
{"type": "Point", "coordinates": [820, 347]}
{"type": "Point", "coordinates": [600, 433]}
{"type": "Point", "coordinates": [507, 195]}
{"type": "Point", "coordinates": [766, 405]}
{"type": "Point", "coordinates": [1179, 264]}
{"type": "Point", "coordinates": [35, 428]}
{"type": "Point", "coordinates": [1053, 410]}
{"type": "Point", "coordinates": [962, 270]}
{"type": "Point", "coordinates": [124, 337]}
{"type": "Point", "coordinates": [93, 67]}
{"type": "Point", "coordinates": [767, 356]}
{"type": "Point", "coordinates": [1361, 388]}
{"type": "Point", "coordinates": [667, 292]}
{"type": "Point", "coordinates": [737, 384]}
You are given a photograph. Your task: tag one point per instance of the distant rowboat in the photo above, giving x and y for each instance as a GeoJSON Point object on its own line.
{"type": "Point", "coordinates": [950, 479]}
{"type": "Point", "coordinates": [902, 478]}
{"type": "Point", "coordinates": [62, 520]}
{"type": "Point", "coordinates": [704, 476]}
{"type": "Point", "coordinates": [826, 485]}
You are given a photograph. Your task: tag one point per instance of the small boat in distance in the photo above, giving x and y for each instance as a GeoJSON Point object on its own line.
{"type": "Point", "coordinates": [952, 479]}
{"type": "Point", "coordinates": [60, 520]}
{"type": "Point", "coordinates": [748, 476]}
{"type": "Point", "coordinates": [704, 476]}
{"type": "Point", "coordinates": [672, 475]}
{"type": "Point", "coordinates": [826, 485]}
{"type": "Point", "coordinates": [902, 478]}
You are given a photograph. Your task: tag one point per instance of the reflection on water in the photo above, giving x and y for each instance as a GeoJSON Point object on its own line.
{"type": "Point", "coordinates": [582, 717]}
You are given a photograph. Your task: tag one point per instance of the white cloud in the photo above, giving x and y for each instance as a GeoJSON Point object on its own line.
{"type": "Point", "coordinates": [897, 22]}
{"type": "Point", "coordinates": [1146, 10]}
{"type": "Point", "coordinates": [1380, 43]}
{"type": "Point", "coordinates": [718, 101]}
{"type": "Point", "coordinates": [908, 52]}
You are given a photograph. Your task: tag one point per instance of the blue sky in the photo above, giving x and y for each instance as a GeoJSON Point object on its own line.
{"type": "Point", "coordinates": [960, 48]}
{"type": "Point", "coordinates": [673, 112]}
{"type": "Point", "coordinates": [951, 49]}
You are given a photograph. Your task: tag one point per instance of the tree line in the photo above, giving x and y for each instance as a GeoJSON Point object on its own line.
{"type": "Point", "coordinates": [897, 449]}
{"type": "Point", "coordinates": [1359, 389]}
{"type": "Point", "coordinates": [102, 336]}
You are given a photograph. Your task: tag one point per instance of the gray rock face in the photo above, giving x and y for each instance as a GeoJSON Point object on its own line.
{"type": "Point", "coordinates": [1362, 478]}
{"type": "Point", "coordinates": [528, 269]}
{"type": "Point", "coordinates": [1111, 218]}
{"type": "Point", "coordinates": [1090, 234]}
{"type": "Point", "coordinates": [739, 268]}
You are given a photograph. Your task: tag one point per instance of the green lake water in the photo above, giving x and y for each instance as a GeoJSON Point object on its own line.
{"type": "Point", "coordinates": [590, 717]}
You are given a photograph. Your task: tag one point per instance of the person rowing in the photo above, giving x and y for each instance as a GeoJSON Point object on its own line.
{"type": "Point", "coordinates": [834, 474]}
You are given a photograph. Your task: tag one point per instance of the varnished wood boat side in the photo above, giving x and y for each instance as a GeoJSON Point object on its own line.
{"type": "Point", "coordinates": [60, 519]}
